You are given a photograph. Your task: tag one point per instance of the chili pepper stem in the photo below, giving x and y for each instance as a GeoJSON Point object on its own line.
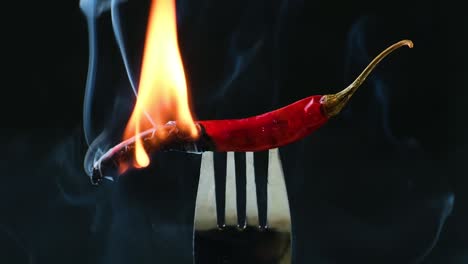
{"type": "Point", "coordinates": [334, 103]}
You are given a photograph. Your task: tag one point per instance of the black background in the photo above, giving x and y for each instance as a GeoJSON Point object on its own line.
{"type": "Point", "coordinates": [385, 182]}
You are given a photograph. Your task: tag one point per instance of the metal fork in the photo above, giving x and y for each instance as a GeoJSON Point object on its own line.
{"type": "Point", "coordinates": [249, 231]}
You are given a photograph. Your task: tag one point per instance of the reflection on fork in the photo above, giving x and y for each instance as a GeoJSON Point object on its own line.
{"type": "Point", "coordinates": [242, 234]}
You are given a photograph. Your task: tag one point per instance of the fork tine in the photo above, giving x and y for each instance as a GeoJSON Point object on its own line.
{"type": "Point", "coordinates": [278, 215]}
{"type": "Point", "coordinates": [251, 210]}
{"type": "Point", "coordinates": [205, 206]}
{"type": "Point", "coordinates": [230, 206]}
{"type": "Point", "coordinates": [239, 158]}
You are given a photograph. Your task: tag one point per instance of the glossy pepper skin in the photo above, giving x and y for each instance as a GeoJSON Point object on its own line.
{"type": "Point", "coordinates": [270, 130]}
{"type": "Point", "coordinates": [262, 132]}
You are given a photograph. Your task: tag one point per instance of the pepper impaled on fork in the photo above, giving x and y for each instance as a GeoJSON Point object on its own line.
{"type": "Point", "coordinates": [266, 131]}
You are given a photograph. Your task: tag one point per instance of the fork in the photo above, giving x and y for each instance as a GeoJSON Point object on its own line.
{"type": "Point", "coordinates": [256, 229]}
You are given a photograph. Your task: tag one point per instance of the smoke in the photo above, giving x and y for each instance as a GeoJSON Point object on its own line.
{"type": "Point", "coordinates": [247, 52]}
{"type": "Point", "coordinates": [258, 34]}
{"type": "Point", "coordinates": [238, 61]}
{"type": "Point", "coordinates": [100, 141]}
{"type": "Point", "coordinates": [92, 9]}
{"type": "Point", "coordinates": [116, 25]}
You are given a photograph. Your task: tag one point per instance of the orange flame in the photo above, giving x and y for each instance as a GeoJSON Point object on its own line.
{"type": "Point", "coordinates": [162, 92]}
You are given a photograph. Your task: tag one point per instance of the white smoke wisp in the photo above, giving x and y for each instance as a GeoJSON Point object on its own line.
{"type": "Point", "coordinates": [92, 10]}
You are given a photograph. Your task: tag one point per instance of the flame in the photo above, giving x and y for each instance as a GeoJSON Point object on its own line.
{"type": "Point", "coordinates": [162, 93]}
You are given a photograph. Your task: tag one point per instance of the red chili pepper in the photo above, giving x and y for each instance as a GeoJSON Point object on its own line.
{"type": "Point", "coordinates": [270, 130]}
{"type": "Point", "coordinates": [288, 124]}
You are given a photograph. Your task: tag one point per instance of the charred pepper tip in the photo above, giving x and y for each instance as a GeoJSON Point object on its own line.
{"type": "Point", "coordinates": [334, 103]}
